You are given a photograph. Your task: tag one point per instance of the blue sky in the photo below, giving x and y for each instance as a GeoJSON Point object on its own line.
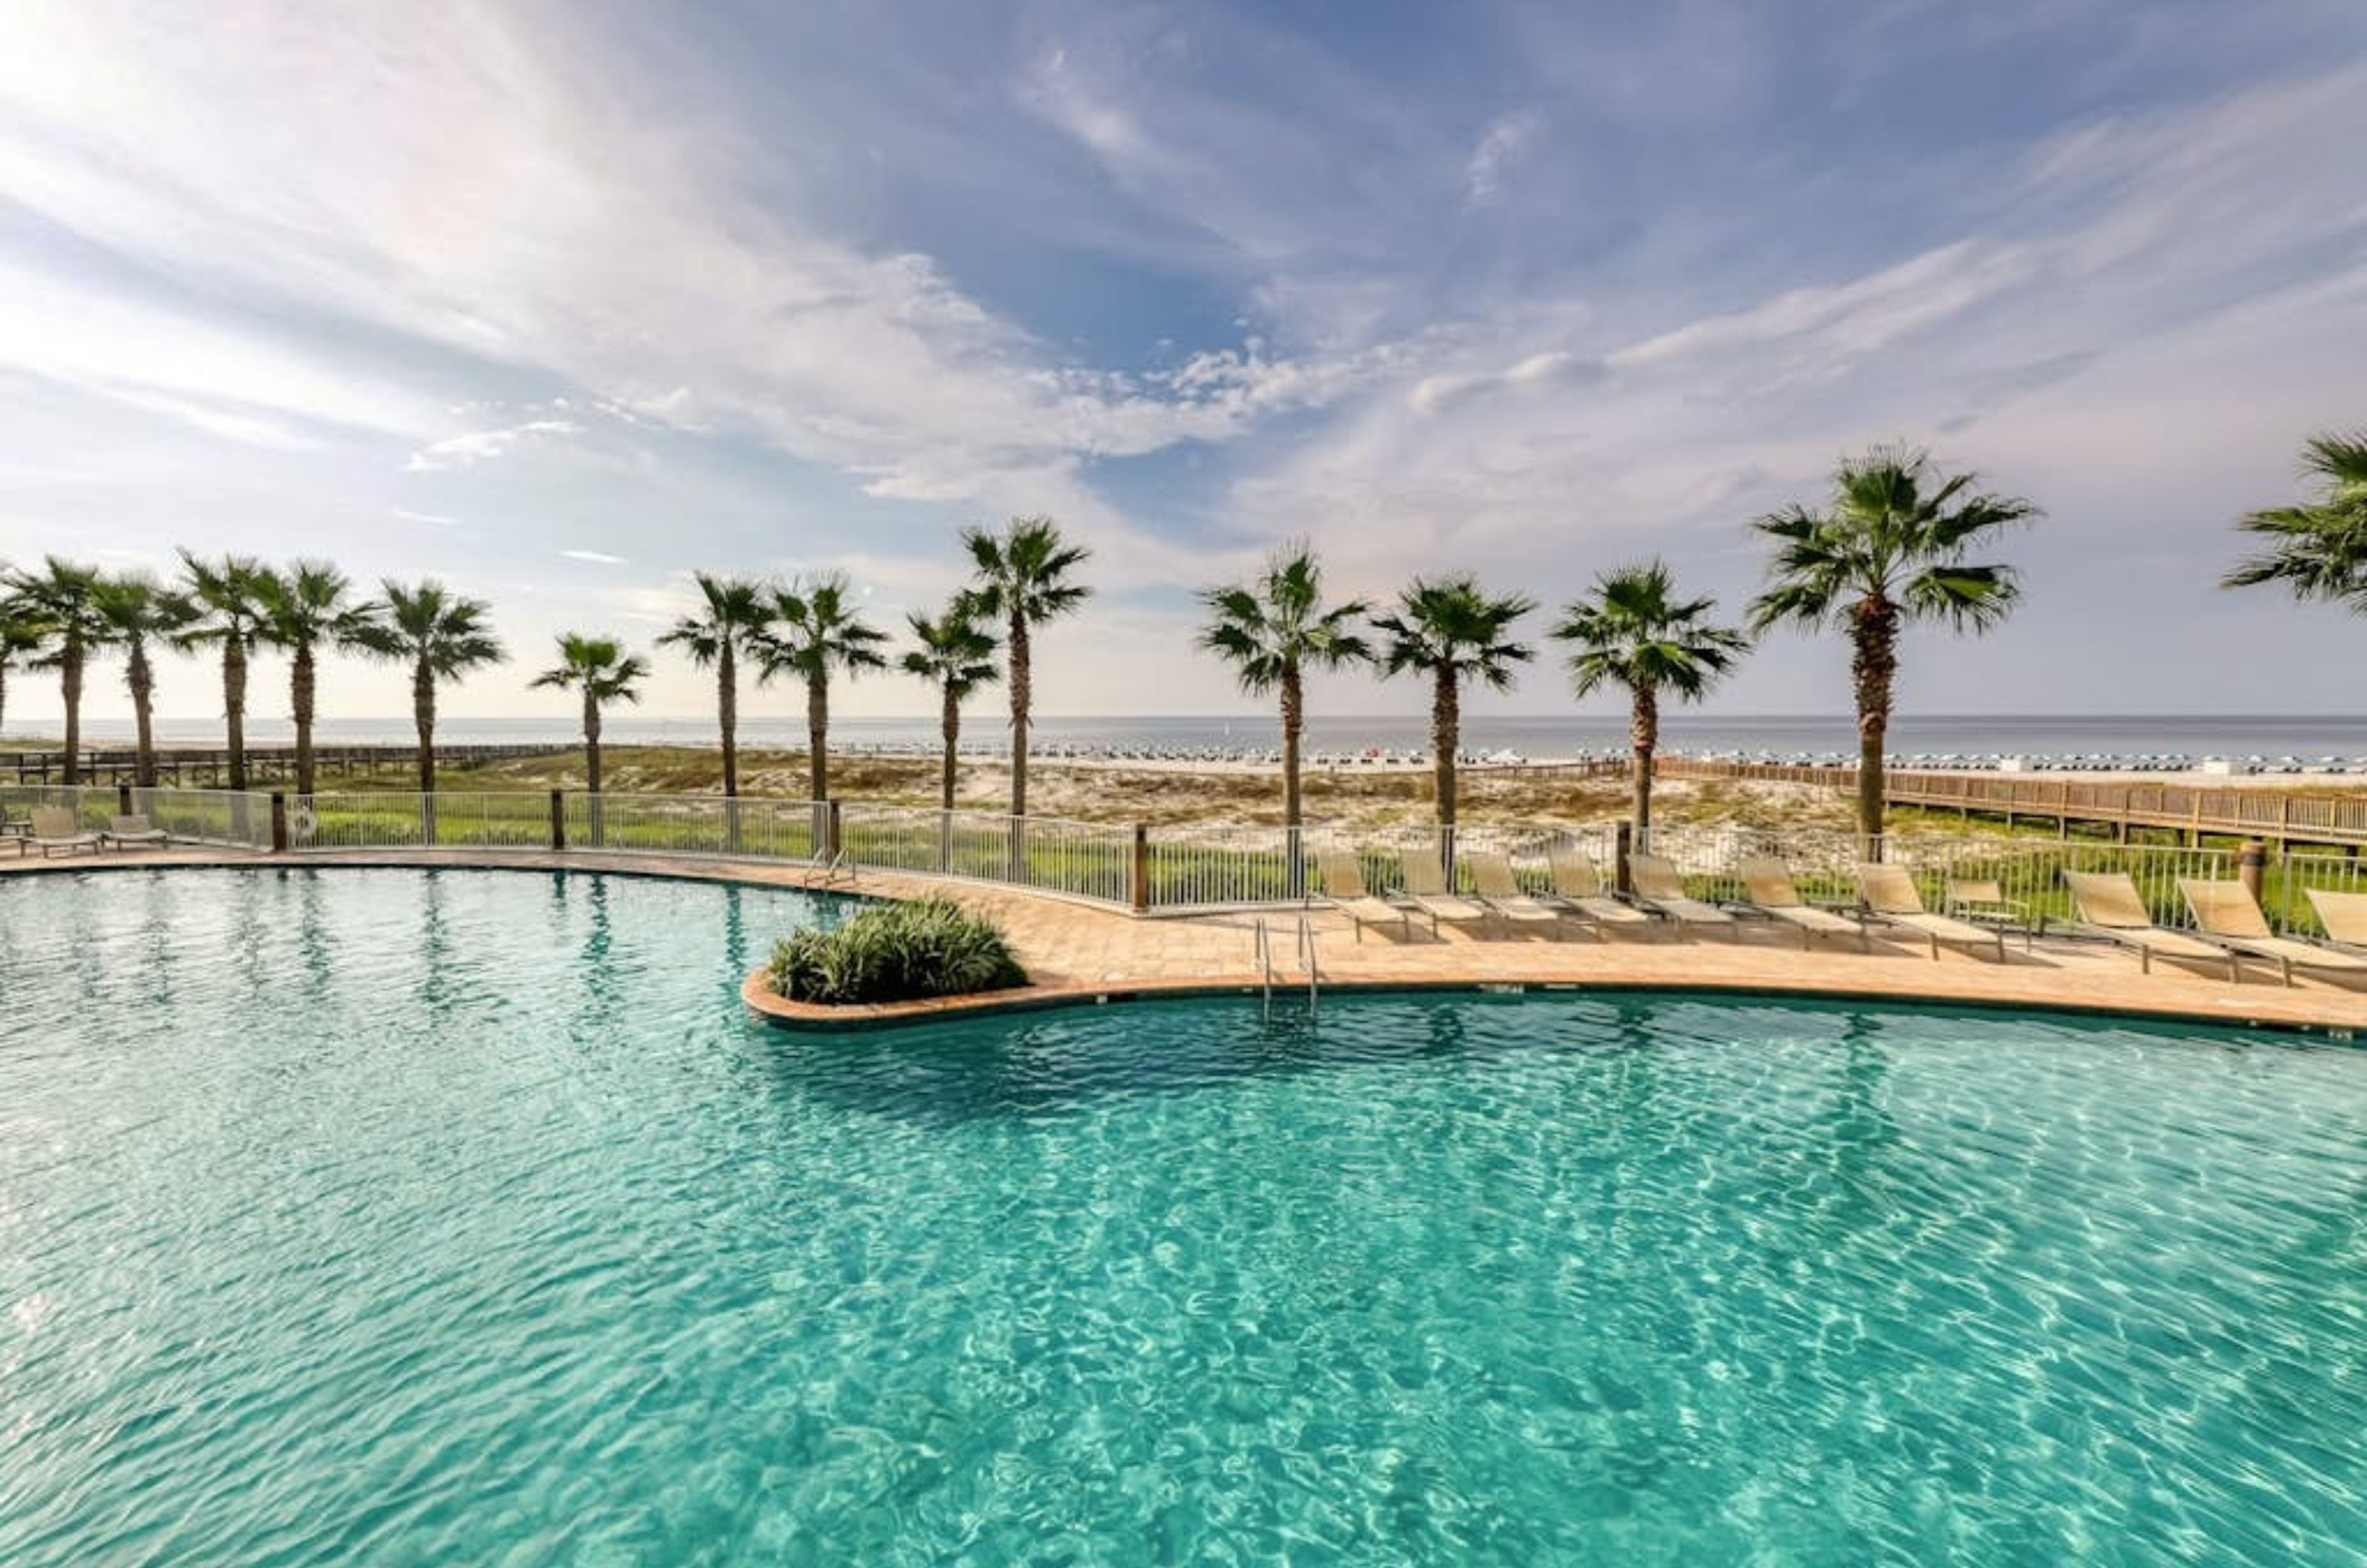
{"type": "Point", "coordinates": [559, 301]}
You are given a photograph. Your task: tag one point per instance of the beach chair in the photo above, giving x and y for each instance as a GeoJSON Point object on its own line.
{"type": "Point", "coordinates": [2344, 916]}
{"type": "Point", "coordinates": [1769, 889]}
{"type": "Point", "coordinates": [1492, 880]}
{"type": "Point", "coordinates": [1426, 889]}
{"type": "Point", "coordinates": [1659, 887]}
{"type": "Point", "coordinates": [2228, 914]}
{"type": "Point", "coordinates": [124, 832]}
{"type": "Point", "coordinates": [1344, 890]}
{"type": "Point", "coordinates": [2111, 908]}
{"type": "Point", "coordinates": [1578, 884]}
{"type": "Point", "coordinates": [1892, 897]}
{"type": "Point", "coordinates": [57, 831]}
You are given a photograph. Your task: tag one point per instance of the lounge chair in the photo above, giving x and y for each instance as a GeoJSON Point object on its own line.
{"type": "Point", "coordinates": [57, 831]}
{"type": "Point", "coordinates": [1892, 897]}
{"type": "Point", "coordinates": [1426, 889]}
{"type": "Point", "coordinates": [1660, 889]}
{"type": "Point", "coordinates": [1577, 884]}
{"type": "Point", "coordinates": [2111, 908]}
{"type": "Point", "coordinates": [1982, 901]}
{"type": "Point", "coordinates": [1344, 890]}
{"type": "Point", "coordinates": [1771, 891]}
{"type": "Point", "coordinates": [123, 833]}
{"type": "Point", "coordinates": [1492, 880]}
{"type": "Point", "coordinates": [2228, 914]}
{"type": "Point", "coordinates": [2344, 916]}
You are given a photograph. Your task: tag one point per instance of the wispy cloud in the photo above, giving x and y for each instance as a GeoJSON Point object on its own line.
{"type": "Point", "coordinates": [594, 556]}
{"type": "Point", "coordinates": [1483, 177]}
{"type": "Point", "coordinates": [479, 445]}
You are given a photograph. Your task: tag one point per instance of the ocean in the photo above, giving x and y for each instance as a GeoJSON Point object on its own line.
{"type": "Point", "coordinates": [2307, 737]}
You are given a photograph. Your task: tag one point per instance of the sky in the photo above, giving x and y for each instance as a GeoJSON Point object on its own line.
{"type": "Point", "coordinates": [557, 302]}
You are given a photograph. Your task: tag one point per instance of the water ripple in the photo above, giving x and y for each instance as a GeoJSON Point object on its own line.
{"type": "Point", "coordinates": [434, 1218]}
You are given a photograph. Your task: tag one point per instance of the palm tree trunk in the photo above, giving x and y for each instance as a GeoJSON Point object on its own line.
{"type": "Point", "coordinates": [591, 743]}
{"type": "Point", "coordinates": [1294, 723]}
{"type": "Point", "coordinates": [1446, 735]}
{"type": "Point", "coordinates": [142, 679]}
{"type": "Point", "coordinates": [1021, 694]}
{"type": "Point", "coordinates": [423, 718]}
{"type": "Point", "coordinates": [299, 704]}
{"type": "Point", "coordinates": [234, 705]}
{"type": "Point", "coordinates": [949, 725]}
{"type": "Point", "coordinates": [1293, 720]}
{"type": "Point", "coordinates": [595, 817]}
{"type": "Point", "coordinates": [1644, 738]}
{"type": "Point", "coordinates": [818, 736]}
{"type": "Point", "coordinates": [70, 683]}
{"type": "Point", "coordinates": [727, 712]}
{"type": "Point", "coordinates": [1874, 664]}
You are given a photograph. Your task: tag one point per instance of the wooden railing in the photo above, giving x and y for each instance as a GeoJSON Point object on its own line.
{"type": "Point", "coordinates": [2285, 816]}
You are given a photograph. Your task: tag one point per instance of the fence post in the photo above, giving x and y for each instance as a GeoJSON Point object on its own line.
{"type": "Point", "coordinates": [123, 799]}
{"type": "Point", "coordinates": [2250, 861]}
{"type": "Point", "coordinates": [279, 823]}
{"type": "Point", "coordinates": [1623, 844]}
{"type": "Point", "coordinates": [1138, 876]}
{"type": "Point", "coordinates": [558, 820]}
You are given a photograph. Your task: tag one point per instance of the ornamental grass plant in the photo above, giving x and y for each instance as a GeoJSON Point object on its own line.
{"type": "Point", "coordinates": [896, 953]}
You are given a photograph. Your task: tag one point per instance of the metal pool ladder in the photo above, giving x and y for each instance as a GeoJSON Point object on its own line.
{"type": "Point", "coordinates": [1306, 959]}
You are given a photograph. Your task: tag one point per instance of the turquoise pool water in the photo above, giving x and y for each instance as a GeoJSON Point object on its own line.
{"type": "Point", "coordinates": [462, 1218]}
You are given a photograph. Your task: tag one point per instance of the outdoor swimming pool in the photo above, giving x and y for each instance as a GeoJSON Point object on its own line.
{"type": "Point", "coordinates": [463, 1217]}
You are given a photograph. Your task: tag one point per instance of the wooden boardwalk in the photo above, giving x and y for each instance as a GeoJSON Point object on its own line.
{"type": "Point", "coordinates": [209, 766]}
{"type": "Point", "coordinates": [2192, 811]}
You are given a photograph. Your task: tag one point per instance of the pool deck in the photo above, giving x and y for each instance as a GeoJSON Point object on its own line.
{"type": "Point", "coordinates": [1080, 954]}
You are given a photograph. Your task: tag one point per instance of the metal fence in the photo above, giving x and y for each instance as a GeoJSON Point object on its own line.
{"type": "Point", "coordinates": [749, 827]}
{"type": "Point", "coordinates": [1181, 869]}
{"type": "Point", "coordinates": [230, 818]}
{"type": "Point", "coordinates": [474, 819]}
{"type": "Point", "coordinates": [1079, 860]}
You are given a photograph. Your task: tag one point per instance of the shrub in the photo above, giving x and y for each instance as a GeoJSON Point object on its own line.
{"type": "Point", "coordinates": [896, 953]}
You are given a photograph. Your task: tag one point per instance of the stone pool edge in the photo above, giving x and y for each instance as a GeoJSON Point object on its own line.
{"type": "Point", "coordinates": [813, 1018]}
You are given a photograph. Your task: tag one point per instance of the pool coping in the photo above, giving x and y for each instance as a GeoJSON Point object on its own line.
{"type": "Point", "coordinates": [814, 1017]}
{"type": "Point", "coordinates": [2328, 1012]}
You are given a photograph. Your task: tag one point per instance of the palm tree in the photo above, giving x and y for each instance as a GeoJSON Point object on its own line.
{"type": "Point", "coordinates": [956, 655]}
{"type": "Point", "coordinates": [21, 638]}
{"type": "Point", "coordinates": [1274, 628]}
{"type": "Point", "coordinates": [227, 595]}
{"type": "Point", "coordinates": [60, 601]}
{"type": "Point", "coordinates": [1449, 629]}
{"type": "Point", "coordinates": [1630, 630]}
{"type": "Point", "coordinates": [308, 608]}
{"type": "Point", "coordinates": [138, 614]}
{"type": "Point", "coordinates": [2317, 549]}
{"type": "Point", "coordinates": [600, 668]}
{"type": "Point", "coordinates": [1023, 577]}
{"type": "Point", "coordinates": [811, 630]}
{"type": "Point", "coordinates": [442, 635]}
{"type": "Point", "coordinates": [726, 627]}
{"type": "Point", "coordinates": [1889, 551]}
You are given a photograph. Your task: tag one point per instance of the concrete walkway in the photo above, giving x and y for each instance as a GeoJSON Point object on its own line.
{"type": "Point", "coordinates": [1082, 953]}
